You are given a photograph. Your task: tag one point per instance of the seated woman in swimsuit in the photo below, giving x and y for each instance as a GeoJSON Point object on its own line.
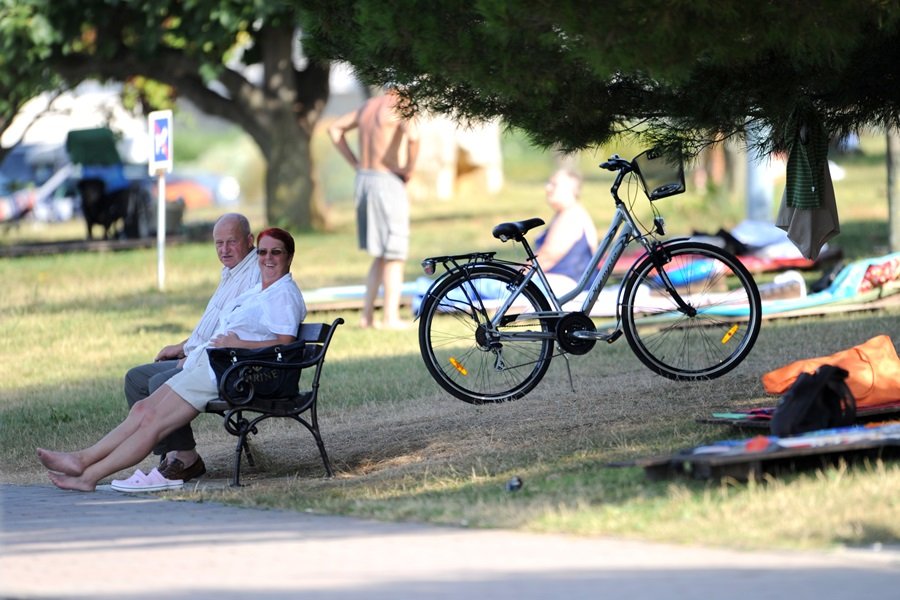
{"type": "Point", "coordinates": [569, 242]}
{"type": "Point", "coordinates": [268, 314]}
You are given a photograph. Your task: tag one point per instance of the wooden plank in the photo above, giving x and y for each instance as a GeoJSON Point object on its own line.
{"type": "Point", "coordinates": [65, 247]}
{"type": "Point", "coordinates": [890, 300]}
{"type": "Point", "coordinates": [744, 466]}
{"type": "Point", "coordinates": [349, 304]}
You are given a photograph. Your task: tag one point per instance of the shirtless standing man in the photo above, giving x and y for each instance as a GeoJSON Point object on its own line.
{"type": "Point", "coordinates": [388, 147]}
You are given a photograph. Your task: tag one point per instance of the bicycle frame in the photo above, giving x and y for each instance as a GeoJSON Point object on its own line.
{"type": "Point", "coordinates": [622, 231]}
{"type": "Point", "coordinates": [609, 251]}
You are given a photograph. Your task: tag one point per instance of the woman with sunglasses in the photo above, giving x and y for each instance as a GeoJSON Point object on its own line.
{"type": "Point", "coordinates": [266, 315]}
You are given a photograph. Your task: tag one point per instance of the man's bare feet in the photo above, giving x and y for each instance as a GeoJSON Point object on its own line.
{"type": "Point", "coordinates": [395, 325]}
{"type": "Point", "coordinates": [61, 462]}
{"type": "Point", "coordinates": [66, 482]}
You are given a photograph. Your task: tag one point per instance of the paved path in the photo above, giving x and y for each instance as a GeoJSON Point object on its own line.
{"type": "Point", "coordinates": [108, 545]}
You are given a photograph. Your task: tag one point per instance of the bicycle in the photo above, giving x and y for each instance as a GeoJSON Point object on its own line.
{"type": "Point", "coordinates": [689, 310]}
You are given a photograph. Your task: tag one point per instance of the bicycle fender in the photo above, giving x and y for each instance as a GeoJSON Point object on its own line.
{"type": "Point", "coordinates": [468, 268]}
{"type": "Point", "coordinates": [429, 293]}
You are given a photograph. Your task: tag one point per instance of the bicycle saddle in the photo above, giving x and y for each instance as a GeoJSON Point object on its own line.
{"type": "Point", "coordinates": [515, 230]}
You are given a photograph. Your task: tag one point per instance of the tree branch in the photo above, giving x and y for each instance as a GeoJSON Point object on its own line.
{"type": "Point", "coordinates": [182, 73]}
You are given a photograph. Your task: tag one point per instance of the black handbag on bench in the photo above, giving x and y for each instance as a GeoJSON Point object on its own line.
{"type": "Point", "coordinates": [246, 374]}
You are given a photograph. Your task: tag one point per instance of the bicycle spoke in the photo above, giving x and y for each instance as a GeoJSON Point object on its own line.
{"type": "Point", "coordinates": [707, 344]}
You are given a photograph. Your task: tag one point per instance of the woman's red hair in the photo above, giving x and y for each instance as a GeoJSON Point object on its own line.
{"type": "Point", "coordinates": [279, 234]}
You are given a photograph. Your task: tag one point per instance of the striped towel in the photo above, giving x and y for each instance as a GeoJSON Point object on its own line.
{"type": "Point", "coordinates": [806, 164]}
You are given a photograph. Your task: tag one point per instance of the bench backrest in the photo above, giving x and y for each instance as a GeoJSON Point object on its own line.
{"type": "Point", "coordinates": [314, 333]}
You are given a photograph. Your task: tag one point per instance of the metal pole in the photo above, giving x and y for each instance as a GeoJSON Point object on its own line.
{"type": "Point", "coordinates": [893, 188]}
{"type": "Point", "coordinates": [161, 229]}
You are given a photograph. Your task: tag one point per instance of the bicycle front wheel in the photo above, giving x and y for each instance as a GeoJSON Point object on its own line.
{"type": "Point", "coordinates": [717, 331]}
{"type": "Point", "coordinates": [468, 356]}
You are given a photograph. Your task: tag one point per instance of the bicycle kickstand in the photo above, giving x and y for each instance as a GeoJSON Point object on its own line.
{"type": "Point", "coordinates": [569, 371]}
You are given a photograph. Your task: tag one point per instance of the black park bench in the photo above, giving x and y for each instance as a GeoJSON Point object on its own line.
{"type": "Point", "coordinates": [242, 414]}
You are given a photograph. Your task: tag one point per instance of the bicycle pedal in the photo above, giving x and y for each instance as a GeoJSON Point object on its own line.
{"type": "Point", "coordinates": [615, 335]}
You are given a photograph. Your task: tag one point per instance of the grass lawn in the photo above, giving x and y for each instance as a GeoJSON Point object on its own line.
{"type": "Point", "coordinates": [404, 450]}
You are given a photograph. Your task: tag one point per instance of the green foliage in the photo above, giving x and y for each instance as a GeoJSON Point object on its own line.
{"type": "Point", "coordinates": [140, 92]}
{"type": "Point", "coordinates": [576, 74]}
{"type": "Point", "coordinates": [44, 45]}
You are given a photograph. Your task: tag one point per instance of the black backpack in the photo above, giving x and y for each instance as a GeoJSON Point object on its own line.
{"type": "Point", "coordinates": [819, 400]}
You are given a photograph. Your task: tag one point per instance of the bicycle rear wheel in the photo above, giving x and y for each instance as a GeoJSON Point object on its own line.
{"type": "Point", "coordinates": [704, 345]}
{"type": "Point", "coordinates": [462, 350]}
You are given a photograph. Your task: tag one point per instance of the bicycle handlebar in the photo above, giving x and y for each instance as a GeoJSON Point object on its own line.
{"type": "Point", "coordinates": [616, 163]}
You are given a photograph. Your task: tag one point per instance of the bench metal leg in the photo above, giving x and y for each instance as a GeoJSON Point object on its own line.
{"type": "Point", "coordinates": [237, 425]}
{"type": "Point", "coordinates": [324, 454]}
{"type": "Point", "coordinates": [236, 473]}
{"type": "Point", "coordinates": [241, 427]}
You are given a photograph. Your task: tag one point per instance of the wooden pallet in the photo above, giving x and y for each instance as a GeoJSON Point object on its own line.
{"type": "Point", "coordinates": [756, 466]}
{"type": "Point", "coordinates": [777, 455]}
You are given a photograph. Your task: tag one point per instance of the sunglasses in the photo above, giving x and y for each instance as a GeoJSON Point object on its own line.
{"type": "Point", "coordinates": [273, 251]}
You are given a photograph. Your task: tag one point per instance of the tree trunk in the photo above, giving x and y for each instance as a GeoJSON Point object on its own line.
{"type": "Point", "coordinates": [893, 183]}
{"type": "Point", "coordinates": [292, 198]}
{"type": "Point", "coordinates": [295, 99]}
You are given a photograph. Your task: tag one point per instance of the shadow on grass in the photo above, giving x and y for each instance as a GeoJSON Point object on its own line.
{"type": "Point", "coordinates": [401, 446]}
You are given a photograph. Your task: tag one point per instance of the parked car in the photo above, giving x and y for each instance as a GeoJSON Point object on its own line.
{"type": "Point", "coordinates": [15, 204]}
{"type": "Point", "coordinates": [203, 189]}
{"type": "Point", "coordinates": [24, 189]}
{"type": "Point", "coordinates": [42, 182]}
{"type": "Point", "coordinates": [119, 204]}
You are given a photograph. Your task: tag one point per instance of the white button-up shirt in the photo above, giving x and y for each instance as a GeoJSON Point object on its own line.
{"type": "Point", "coordinates": [257, 315]}
{"type": "Point", "coordinates": [234, 282]}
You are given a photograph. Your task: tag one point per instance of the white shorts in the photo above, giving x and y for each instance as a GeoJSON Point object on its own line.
{"type": "Point", "coordinates": [382, 215]}
{"type": "Point", "coordinates": [196, 385]}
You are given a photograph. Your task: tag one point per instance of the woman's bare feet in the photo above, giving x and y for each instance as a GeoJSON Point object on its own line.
{"type": "Point", "coordinates": [67, 482]}
{"type": "Point", "coordinates": [61, 462]}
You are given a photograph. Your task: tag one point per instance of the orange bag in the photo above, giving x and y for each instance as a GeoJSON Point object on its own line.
{"type": "Point", "coordinates": [873, 366]}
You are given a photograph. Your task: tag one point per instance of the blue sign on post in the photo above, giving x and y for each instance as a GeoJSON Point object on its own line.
{"type": "Point", "coordinates": [160, 163]}
{"type": "Point", "coordinates": [160, 123]}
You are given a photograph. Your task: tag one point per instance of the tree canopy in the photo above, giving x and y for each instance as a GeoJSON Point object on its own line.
{"type": "Point", "coordinates": [575, 74]}
{"type": "Point", "coordinates": [199, 49]}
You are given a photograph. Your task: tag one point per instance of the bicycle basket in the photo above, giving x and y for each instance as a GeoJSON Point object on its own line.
{"type": "Point", "coordinates": [661, 176]}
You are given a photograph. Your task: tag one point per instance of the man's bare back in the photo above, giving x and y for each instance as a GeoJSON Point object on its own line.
{"type": "Point", "coordinates": [388, 144]}
{"type": "Point", "coordinates": [385, 137]}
